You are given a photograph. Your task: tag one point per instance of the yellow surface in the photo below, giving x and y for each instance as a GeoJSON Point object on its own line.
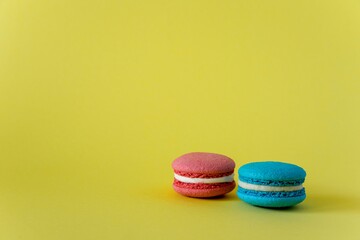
{"type": "Point", "coordinates": [98, 97]}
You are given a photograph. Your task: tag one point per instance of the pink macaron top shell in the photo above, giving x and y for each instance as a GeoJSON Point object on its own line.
{"type": "Point", "coordinates": [203, 175]}
{"type": "Point", "coordinates": [205, 163]}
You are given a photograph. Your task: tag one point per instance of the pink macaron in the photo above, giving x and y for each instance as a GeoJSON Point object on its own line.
{"type": "Point", "coordinates": [203, 175]}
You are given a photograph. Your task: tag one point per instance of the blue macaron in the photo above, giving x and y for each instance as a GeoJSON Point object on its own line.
{"type": "Point", "coordinates": [271, 184]}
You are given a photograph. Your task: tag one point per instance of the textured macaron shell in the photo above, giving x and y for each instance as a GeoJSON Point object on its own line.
{"type": "Point", "coordinates": [202, 175]}
{"type": "Point", "coordinates": [205, 163]}
{"type": "Point", "coordinates": [198, 165]}
{"type": "Point", "coordinates": [204, 190]}
{"type": "Point", "coordinates": [271, 174]}
{"type": "Point", "coordinates": [270, 201]}
{"type": "Point", "coordinates": [270, 170]}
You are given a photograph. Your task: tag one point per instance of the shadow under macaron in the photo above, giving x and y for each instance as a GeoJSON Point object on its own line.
{"type": "Point", "coordinates": [226, 197]}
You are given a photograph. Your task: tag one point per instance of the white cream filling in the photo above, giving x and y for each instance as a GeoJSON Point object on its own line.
{"type": "Point", "coordinates": [255, 187]}
{"type": "Point", "coordinates": [229, 178]}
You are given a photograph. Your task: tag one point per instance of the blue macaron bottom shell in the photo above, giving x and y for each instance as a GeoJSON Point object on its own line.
{"type": "Point", "coordinates": [271, 199]}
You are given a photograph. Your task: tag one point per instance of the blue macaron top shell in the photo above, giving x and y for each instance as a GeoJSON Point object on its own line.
{"type": "Point", "coordinates": [271, 173]}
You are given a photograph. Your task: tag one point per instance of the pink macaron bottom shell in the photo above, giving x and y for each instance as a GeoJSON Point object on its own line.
{"type": "Point", "coordinates": [203, 190]}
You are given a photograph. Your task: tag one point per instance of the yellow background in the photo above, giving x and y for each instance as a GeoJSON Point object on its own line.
{"type": "Point", "coordinates": [98, 97]}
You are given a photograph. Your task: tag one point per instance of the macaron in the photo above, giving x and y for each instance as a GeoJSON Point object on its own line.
{"type": "Point", "coordinates": [203, 175]}
{"type": "Point", "coordinates": [271, 184]}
